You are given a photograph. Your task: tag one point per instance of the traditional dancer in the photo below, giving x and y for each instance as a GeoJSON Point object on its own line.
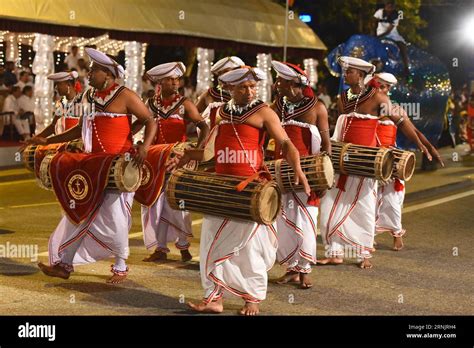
{"type": "Point", "coordinates": [236, 254]}
{"type": "Point", "coordinates": [65, 113]}
{"type": "Point", "coordinates": [105, 128]}
{"type": "Point", "coordinates": [391, 195]}
{"type": "Point", "coordinates": [161, 224]}
{"type": "Point", "coordinates": [218, 93]}
{"type": "Point", "coordinates": [348, 210]}
{"type": "Point", "coordinates": [305, 120]}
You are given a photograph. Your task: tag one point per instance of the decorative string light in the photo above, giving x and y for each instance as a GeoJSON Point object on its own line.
{"type": "Point", "coordinates": [310, 68]}
{"type": "Point", "coordinates": [134, 65]}
{"type": "Point", "coordinates": [205, 57]}
{"type": "Point", "coordinates": [264, 87]}
{"type": "Point", "coordinates": [2, 54]}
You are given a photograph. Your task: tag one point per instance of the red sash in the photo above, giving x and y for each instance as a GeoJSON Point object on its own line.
{"type": "Point", "coordinates": [170, 130]}
{"type": "Point", "coordinates": [114, 133]}
{"type": "Point", "coordinates": [153, 174]}
{"type": "Point", "coordinates": [229, 155]}
{"type": "Point", "coordinates": [361, 131]}
{"type": "Point", "coordinates": [79, 181]}
{"type": "Point", "coordinates": [300, 137]}
{"type": "Point", "coordinates": [386, 134]}
{"type": "Point", "coordinates": [70, 122]}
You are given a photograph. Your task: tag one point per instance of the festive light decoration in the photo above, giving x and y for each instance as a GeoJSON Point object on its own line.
{"type": "Point", "coordinates": [134, 65]}
{"type": "Point", "coordinates": [264, 88]}
{"type": "Point", "coordinates": [43, 65]}
{"type": "Point", "coordinates": [205, 57]}
{"type": "Point", "coordinates": [11, 48]}
{"type": "Point", "coordinates": [310, 68]}
{"type": "Point", "coordinates": [2, 39]}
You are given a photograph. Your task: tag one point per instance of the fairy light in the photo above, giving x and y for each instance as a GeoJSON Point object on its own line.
{"type": "Point", "coordinates": [264, 91]}
{"type": "Point", "coordinates": [134, 65]}
{"type": "Point", "coordinates": [310, 68]}
{"type": "Point", "coordinates": [2, 45]}
{"type": "Point", "coordinates": [204, 76]}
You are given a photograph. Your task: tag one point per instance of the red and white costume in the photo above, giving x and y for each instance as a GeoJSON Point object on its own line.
{"type": "Point", "coordinates": [105, 232]}
{"type": "Point", "coordinates": [391, 194]}
{"type": "Point", "coordinates": [235, 254]}
{"type": "Point", "coordinates": [348, 209]}
{"type": "Point", "coordinates": [162, 224]}
{"type": "Point", "coordinates": [297, 224]}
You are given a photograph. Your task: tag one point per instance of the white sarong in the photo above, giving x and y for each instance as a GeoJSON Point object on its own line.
{"type": "Point", "coordinates": [389, 210]}
{"type": "Point", "coordinates": [236, 256]}
{"type": "Point", "coordinates": [162, 225]}
{"type": "Point", "coordinates": [103, 235]}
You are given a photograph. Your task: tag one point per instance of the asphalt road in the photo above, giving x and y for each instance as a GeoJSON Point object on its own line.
{"type": "Point", "coordinates": [432, 275]}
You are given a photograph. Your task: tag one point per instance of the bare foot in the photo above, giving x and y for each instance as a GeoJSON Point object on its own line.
{"type": "Point", "coordinates": [365, 264]}
{"type": "Point", "coordinates": [330, 261]}
{"type": "Point", "coordinates": [54, 271]}
{"type": "Point", "coordinates": [289, 277]}
{"type": "Point", "coordinates": [305, 281]}
{"type": "Point", "coordinates": [249, 309]}
{"type": "Point", "coordinates": [186, 255]}
{"type": "Point", "coordinates": [211, 307]}
{"type": "Point", "coordinates": [156, 256]}
{"type": "Point", "coordinates": [116, 278]}
{"type": "Point", "coordinates": [397, 243]}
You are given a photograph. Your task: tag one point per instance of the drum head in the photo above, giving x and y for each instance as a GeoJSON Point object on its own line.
{"type": "Point", "coordinates": [328, 170]}
{"type": "Point", "coordinates": [44, 180]}
{"type": "Point", "coordinates": [269, 203]}
{"type": "Point", "coordinates": [28, 157]}
{"type": "Point", "coordinates": [386, 166]}
{"type": "Point", "coordinates": [406, 166]}
{"type": "Point", "coordinates": [131, 178]}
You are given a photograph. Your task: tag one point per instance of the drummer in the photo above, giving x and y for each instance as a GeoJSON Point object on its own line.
{"type": "Point", "coordinates": [305, 120]}
{"type": "Point", "coordinates": [106, 129]}
{"type": "Point", "coordinates": [218, 94]}
{"type": "Point", "coordinates": [236, 254]}
{"type": "Point", "coordinates": [66, 113]}
{"type": "Point", "coordinates": [161, 224]}
{"type": "Point", "coordinates": [391, 195]}
{"type": "Point", "coordinates": [348, 210]}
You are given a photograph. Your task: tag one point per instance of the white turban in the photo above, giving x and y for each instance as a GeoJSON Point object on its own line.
{"type": "Point", "coordinates": [63, 76]}
{"type": "Point", "coordinates": [226, 63]}
{"type": "Point", "coordinates": [104, 60]}
{"type": "Point", "coordinates": [356, 63]}
{"type": "Point", "coordinates": [287, 72]}
{"type": "Point", "coordinates": [246, 73]}
{"type": "Point", "coordinates": [387, 78]}
{"type": "Point", "coordinates": [173, 69]}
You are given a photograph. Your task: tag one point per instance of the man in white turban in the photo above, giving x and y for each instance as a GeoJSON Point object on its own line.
{"type": "Point", "coordinates": [236, 254]}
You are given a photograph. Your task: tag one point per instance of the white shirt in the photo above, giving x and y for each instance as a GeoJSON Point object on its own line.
{"type": "Point", "coordinates": [26, 103]}
{"type": "Point", "coordinates": [71, 61]}
{"type": "Point", "coordinates": [325, 99]}
{"type": "Point", "coordinates": [22, 84]}
{"type": "Point", "coordinates": [385, 23]}
{"type": "Point", "coordinates": [11, 104]}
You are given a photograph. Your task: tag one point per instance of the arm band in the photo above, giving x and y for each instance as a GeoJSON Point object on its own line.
{"type": "Point", "coordinates": [400, 121]}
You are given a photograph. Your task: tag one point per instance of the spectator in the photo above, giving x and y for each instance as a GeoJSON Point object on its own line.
{"type": "Point", "coordinates": [20, 122]}
{"type": "Point", "coordinates": [24, 80]}
{"type": "Point", "coordinates": [72, 58]}
{"type": "Point", "coordinates": [388, 21]}
{"type": "Point", "coordinates": [323, 95]}
{"type": "Point", "coordinates": [27, 105]}
{"type": "Point", "coordinates": [9, 75]}
{"type": "Point", "coordinates": [83, 71]}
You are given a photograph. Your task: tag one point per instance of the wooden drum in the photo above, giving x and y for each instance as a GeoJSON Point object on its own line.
{"type": "Point", "coordinates": [404, 164]}
{"type": "Point", "coordinates": [318, 170]}
{"type": "Point", "coordinates": [372, 162]}
{"type": "Point", "coordinates": [124, 175]}
{"type": "Point", "coordinates": [215, 194]}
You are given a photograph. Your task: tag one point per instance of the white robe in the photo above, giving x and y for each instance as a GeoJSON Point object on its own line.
{"type": "Point", "coordinates": [389, 210]}
{"type": "Point", "coordinates": [103, 235]}
{"type": "Point", "coordinates": [348, 218]}
{"type": "Point", "coordinates": [162, 224]}
{"type": "Point", "coordinates": [297, 223]}
{"type": "Point", "coordinates": [236, 256]}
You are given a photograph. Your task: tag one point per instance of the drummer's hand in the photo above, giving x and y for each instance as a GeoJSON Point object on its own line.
{"type": "Point", "coordinates": [37, 141]}
{"type": "Point", "coordinates": [177, 161]}
{"type": "Point", "coordinates": [425, 151]}
{"type": "Point", "coordinates": [300, 178]}
{"type": "Point", "coordinates": [436, 155]}
{"type": "Point", "coordinates": [140, 155]}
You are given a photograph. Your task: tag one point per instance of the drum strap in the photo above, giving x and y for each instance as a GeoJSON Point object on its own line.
{"type": "Point", "coordinates": [261, 174]}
